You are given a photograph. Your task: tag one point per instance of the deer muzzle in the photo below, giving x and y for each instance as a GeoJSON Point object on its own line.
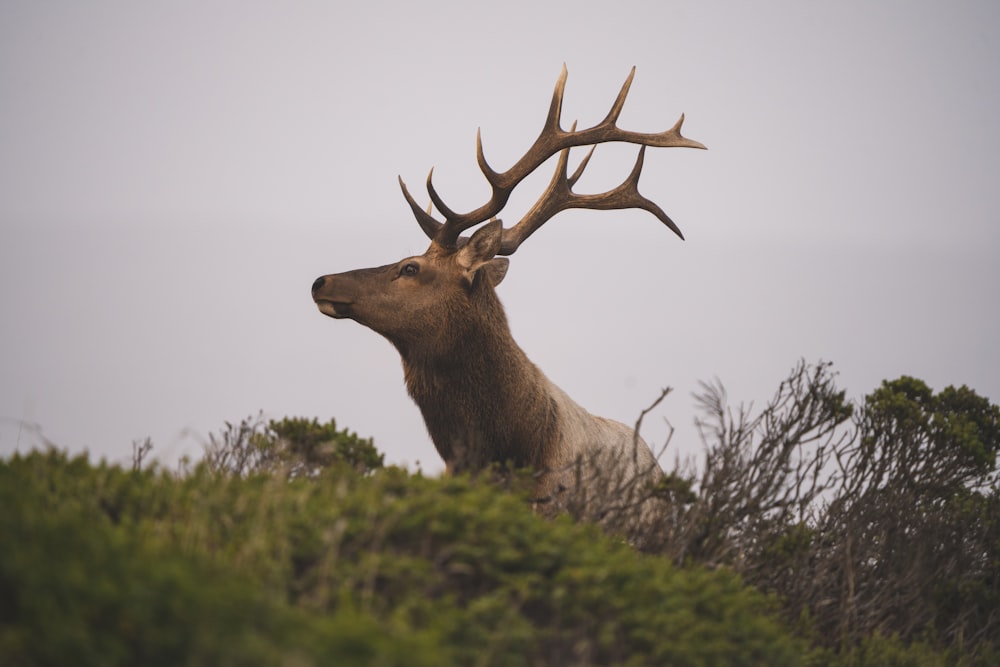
{"type": "Point", "coordinates": [329, 302]}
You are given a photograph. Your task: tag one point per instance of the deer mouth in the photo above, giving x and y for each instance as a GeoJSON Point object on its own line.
{"type": "Point", "coordinates": [338, 310]}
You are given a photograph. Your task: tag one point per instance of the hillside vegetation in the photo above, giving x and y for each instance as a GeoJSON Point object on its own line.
{"type": "Point", "coordinates": [106, 566]}
{"type": "Point", "coordinates": [292, 544]}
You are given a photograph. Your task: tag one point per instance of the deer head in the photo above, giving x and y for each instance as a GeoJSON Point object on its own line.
{"type": "Point", "coordinates": [410, 299]}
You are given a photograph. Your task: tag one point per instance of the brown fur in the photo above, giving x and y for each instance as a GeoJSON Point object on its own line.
{"type": "Point", "coordinates": [483, 402]}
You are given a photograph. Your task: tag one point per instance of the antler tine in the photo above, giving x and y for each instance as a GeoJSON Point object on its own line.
{"type": "Point", "coordinates": [630, 197]}
{"type": "Point", "coordinates": [580, 167]}
{"type": "Point", "coordinates": [559, 196]}
{"type": "Point", "coordinates": [555, 107]}
{"type": "Point", "coordinates": [616, 108]}
{"type": "Point", "coordinates": [484, 166]}
{"type": "Point", "coordinates": [436, 198]}
{"type": "Point", "coordinates": [426, 221]}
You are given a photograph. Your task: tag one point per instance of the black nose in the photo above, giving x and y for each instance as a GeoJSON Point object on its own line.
{"type": "Point", "coordinates": [318, 284]}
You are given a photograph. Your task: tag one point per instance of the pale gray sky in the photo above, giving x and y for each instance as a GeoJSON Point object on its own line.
{"type": "Point", "coordinates": [173, 176]}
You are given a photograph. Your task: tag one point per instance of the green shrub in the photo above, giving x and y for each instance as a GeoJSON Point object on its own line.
{"type": "Point", "coordinates": [104, 566]}
{"type": "Point", "coordinates": [296, 447]}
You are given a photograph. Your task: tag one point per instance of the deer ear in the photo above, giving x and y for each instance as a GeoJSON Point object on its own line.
{"type": "Point", "coordinates": [495, 270]}
{"type": "Point", "coordinates": [481, 248]}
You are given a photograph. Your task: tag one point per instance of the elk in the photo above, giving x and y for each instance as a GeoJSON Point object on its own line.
{"type": "Point", "coordinates": [483, 401]}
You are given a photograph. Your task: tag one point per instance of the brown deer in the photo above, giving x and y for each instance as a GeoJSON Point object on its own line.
{"type": "Point", "coordinates": [482, 399]}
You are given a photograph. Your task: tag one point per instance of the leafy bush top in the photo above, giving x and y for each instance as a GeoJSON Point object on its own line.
{"type": "Point", "coordinates": [107, 566]}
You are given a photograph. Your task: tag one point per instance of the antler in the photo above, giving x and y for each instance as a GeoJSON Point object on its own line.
{"type": "Point", "coordinates": [559, 194]}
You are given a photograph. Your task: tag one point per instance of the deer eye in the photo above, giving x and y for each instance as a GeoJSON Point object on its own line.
{"type": "Point", "coordinates": [410, 269]}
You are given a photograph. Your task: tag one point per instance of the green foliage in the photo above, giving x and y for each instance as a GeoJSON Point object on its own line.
{"type": "Point", "coordinates": [298, 447]}
{"type": "Point", "coordinates": [936, 443]}
{"type": "Point", "coordinates": [922, 511]}
{"type": "Point", "coordinates": [879, 651]}
{"type": "Point", "coordinates": [322, 445]}
{"type": "Point", "coordinates": [105, 566]}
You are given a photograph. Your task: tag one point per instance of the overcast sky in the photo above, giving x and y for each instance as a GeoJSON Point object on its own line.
{"type": "Point", "coordinates": [173, 177]}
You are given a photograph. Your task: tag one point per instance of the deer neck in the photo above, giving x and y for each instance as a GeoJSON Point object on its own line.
{"type": "Point", "coordinates": [482, 399]}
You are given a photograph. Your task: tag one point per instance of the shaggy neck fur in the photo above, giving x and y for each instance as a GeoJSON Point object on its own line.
{"type": "Point", "coordinates": [482, 399]}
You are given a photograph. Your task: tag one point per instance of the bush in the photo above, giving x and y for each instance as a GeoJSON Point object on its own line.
{"type": "Point", "coordinates": [880, 517]}
{"type": "Point", "coordinates": [295, 447]}
{"type": "Point", "coordinates": [109, 566]}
